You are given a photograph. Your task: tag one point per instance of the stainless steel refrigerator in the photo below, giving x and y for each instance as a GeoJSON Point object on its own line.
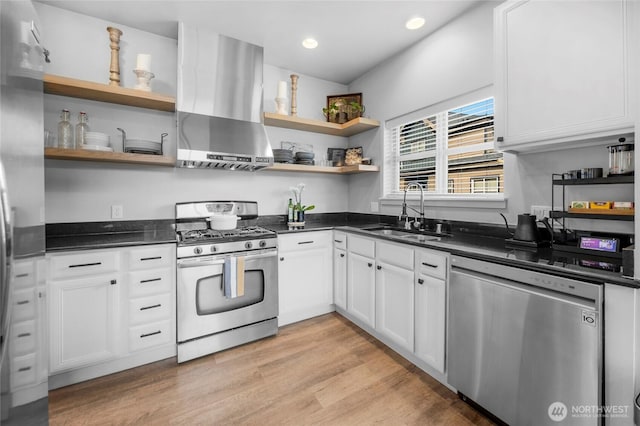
{"type": "Point", "coordinates": [23, 339]}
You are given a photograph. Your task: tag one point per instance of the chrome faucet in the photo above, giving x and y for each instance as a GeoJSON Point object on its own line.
{"type": "Point", "coordinates": [403, 215]}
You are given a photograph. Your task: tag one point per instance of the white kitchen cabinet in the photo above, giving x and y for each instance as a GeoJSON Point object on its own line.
{"type": "Point", "coordinates": [109, 310]}
{"type": "Point", "coordinates": [395, 293]}
{"type": "Point", "coordinates": [84, 317]}
{"type": "Point", "coordinates": [430, 307]}
{"type": "Point", "coordinates": [305, 273]}
{"type": "Point", "coordinates": [561, 73]}
{"type": "Point", "coordinates": [361, 279]}
{"type": "Point", "coordinates": [340, 269]}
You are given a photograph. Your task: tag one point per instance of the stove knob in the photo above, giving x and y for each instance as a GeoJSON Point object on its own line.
{"type": "Point", "coordinates": [248, 245]}
{"type": "Point", "coordinates": [263, 243]}
{"type": "Point", "coordinates": [197, 250]}
{"type": "Point", "coordinates": [213, 249]}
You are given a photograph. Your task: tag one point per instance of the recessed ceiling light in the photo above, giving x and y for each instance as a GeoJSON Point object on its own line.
{"type": "Point", "coordinates": [310, 43]}
{"type": "Point", "coordinates": [414, 23]}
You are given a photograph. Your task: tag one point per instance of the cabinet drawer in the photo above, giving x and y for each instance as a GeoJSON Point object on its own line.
{"type": "Point", "coordinates": [362, 246]}
{"type": "Point", "coordinates": [24, 305]}
{"type": "Point", "coordinates": [83, 263]}
{"type": "Point", "coordinates": [150, 309]}
{"type": "Point", "coordinates": [432, 263]}
{"type": "Point", "coordinates": [146, 336]}
{"type": "Point", "coordinates": [153, 256]}
{"type": "Point", "coordinates": [304, 241]}
{"type": "Point", "coordinates": [340, 240]}
{"type": "Point", "coordinates": [395, 254]}
{"type": "Point", "coordinates": [23, 371]}
{"type": "Point", "coordinates": [152, 281]}
{"type": "Point", "coordinates": [24, 274]}
{"type": "Point", "coordinates": [23, 337]}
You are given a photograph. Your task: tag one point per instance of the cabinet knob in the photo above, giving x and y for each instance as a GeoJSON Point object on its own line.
{"type": "Point", "coordinates": [341, 254]}
{"type": "Point", "coordinates": [281, 259]}
{"type": "Point", "coordinates": [420, 281]}
{"type": "Point", "coordinates": [379, 267]}
{"type": "Point", "coordinates": [113, 282]}
{"type": "Point", "coordinates": [370, 264]}
{"type": "Point", "coordinates": [500, 139]}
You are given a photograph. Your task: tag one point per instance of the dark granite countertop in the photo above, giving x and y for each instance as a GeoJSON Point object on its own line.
{"type": "Point", "coordinates": [484, 242]}
{"type": "Point", "coordinates": [97, 235]}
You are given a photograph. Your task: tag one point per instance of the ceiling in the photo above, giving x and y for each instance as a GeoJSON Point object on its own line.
{"type": "Point", "coordinates": [353, 36]}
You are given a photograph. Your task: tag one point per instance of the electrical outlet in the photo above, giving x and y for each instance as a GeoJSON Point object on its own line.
{"type": "Point", "coordinates": [117, 212]}
{"type": "Point", "coordinates": [540, 211]}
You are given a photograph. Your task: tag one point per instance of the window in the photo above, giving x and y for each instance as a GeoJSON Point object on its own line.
{"type": "Point", "coordinates": [448, 152]}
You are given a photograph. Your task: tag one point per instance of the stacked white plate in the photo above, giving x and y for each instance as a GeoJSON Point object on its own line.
{"type": "Point", "coordinates": [142, 146]}
{"type": "Point", "coordinates": [97, 138]}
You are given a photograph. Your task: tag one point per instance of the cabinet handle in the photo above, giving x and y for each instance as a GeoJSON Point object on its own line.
{"type": "Point", "coordinates": [337, 241]}
{"type": "Point", "coordinates": [341, 254]}
{"type": "Point", "coordinates": [82, 265]}
{"type": "Point", "coordinates": [305, 242]}
{"type": "Point", "coordinates": [420, 281]}
{"type": "Point", "coordinates": [26, 274]}
{"type": "Point", "coordinates": [370, 264]}
{"type": "Point", "coordinates": [430, 265]}
{"type": "Point", "coordinates": [24, 334]}
{"type": "Point", "coordinates": [150, 280]}
{"type": "Point", "coordinates": [142, 336]}
{"type": "Point", "coordinates": [22, 302]}
{"type": "Point", "coordinates": [378, 267]}
{"type": "Point", "coordinates": [144, 308]}
{"type": "Point", "coordinates": [23, 369]}
{"type": "Point", "coordinates": [113, 282]}
{"type": "Point", "coordinates": [281, 259]}
{"type": "Point", "coordinates": [142, 259]}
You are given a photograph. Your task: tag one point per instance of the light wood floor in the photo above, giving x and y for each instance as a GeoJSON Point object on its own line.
{"type": "Point", "coordinates": [321, 371]}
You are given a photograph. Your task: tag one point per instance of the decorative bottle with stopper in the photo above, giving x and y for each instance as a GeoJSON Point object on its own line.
{"type": "Point", "coordinates": [65, 130]}
{"type": "Point", "coordinates": [81, 129]}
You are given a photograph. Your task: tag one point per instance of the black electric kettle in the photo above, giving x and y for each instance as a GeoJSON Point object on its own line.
{"type": "Point", "coordinates": [527, 229]}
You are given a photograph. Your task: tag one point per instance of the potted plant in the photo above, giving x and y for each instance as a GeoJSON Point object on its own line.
{"type": "Point", "coordinates": [331, 112]}
{"type": "Point", "coordinates": [298, 208]}
{"type": "Point", "coordinates": [355, 110]}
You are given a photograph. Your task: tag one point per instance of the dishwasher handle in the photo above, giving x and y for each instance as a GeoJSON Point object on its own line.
{"type": "Point", "coordinates": [461, 273]}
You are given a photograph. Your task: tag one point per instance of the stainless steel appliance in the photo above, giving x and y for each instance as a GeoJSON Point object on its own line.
{"type": "Point", "coordinates": [220, 102]}
{"type": "Point", "coordinates": [209, 318]}
{"type": "Point", "coordinates": [525, 346]}
{"type": "Point", "coordinates": [24, 351]}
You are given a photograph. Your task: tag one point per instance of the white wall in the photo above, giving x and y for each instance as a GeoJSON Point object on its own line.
{"type": "Point", "coordinates": [84, 191]}
{"type": "Point", "coordinates": [458, 59]}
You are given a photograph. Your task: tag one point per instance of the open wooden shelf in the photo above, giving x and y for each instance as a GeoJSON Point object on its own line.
{"type": "Point", "coordinates": [108, 157]}
{"type": "Point", "coordinates": [612, 214]}
{"type": "Point", "coordinates": [344, 170]}
{"type": "Point", "coordinates": [350, 128]}
{"type": "Point", "coordinates": [64, 86]}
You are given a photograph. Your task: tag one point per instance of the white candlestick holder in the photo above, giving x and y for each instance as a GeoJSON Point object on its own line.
{"type": "Point", "coordinates": [144, 77]}
{"type": "Point", "coordinates": [281, 106]}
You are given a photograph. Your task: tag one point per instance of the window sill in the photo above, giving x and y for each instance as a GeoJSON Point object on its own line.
{"type": "Point", "coordinates": [493, 201]}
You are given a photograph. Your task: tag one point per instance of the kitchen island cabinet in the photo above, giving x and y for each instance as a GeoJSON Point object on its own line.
{"type": "Point", "coordinates": [562, 73]}
{"type": "Point", "coordinates": [304, 276]}
{"type": "Point", "coordinates": [109, 310]}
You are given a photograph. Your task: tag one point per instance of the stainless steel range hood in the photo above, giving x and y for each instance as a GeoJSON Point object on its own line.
{"type": "Point", "coordinates": [220, 102]}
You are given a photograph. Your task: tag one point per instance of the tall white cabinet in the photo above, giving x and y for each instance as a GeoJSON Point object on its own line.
{"type": "Point", "coordinates": [563, 73]}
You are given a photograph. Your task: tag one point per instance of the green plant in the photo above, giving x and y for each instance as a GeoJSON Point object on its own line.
{"type": "Point", "coordinates": [331, 110]}
{"type": "Point", "coordinates": [297, 195]}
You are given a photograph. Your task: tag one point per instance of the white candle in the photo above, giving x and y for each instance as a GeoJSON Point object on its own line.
{"type": "Point", "coordinates": [282, 89]}
{"type": "Point", "coordinates": [143, 62]}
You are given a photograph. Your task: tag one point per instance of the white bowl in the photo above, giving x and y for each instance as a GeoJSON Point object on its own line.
{"type": "Point", "coordinates": [223, 222]}
{"type": "Point", "coordinates": [97, 138]}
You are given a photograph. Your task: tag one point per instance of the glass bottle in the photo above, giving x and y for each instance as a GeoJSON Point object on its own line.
{"type": "Point", "coordinates": [65, 131]}
{"type": "Point", "coordinates": [290, 217]}
{"type": "Point", "coordinates": [81, 129]}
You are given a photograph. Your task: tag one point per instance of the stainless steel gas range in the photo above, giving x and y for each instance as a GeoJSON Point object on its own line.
{"type": "Point", "coordinates": [227, 281]}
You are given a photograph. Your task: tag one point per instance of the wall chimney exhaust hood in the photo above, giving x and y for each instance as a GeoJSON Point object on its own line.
{"type": "Point", "coordinates": [219, 102]}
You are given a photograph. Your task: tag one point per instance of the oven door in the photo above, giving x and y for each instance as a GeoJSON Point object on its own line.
{"type": "Point", "coordinates": [202, 306]}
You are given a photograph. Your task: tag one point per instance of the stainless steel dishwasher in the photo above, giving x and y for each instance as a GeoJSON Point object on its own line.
{"type": "Point", "coordinates": [523, 345]}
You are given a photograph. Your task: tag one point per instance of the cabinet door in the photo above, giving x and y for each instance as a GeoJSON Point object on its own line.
{"type": "Point", "coordinates": [561, 72]}
{"type": "Point", "coordinates": [361, 288]}
{"type": "Point", "coordinates": [430, 320]}
{"type": "Point", "coordinates": [394, 304]}
{"type": "Point", "coordinates": [340, 278]}
{"type": "Point", "coordinates": [84, 318]}
{"type": "Point", "coordinates": [305, 284]}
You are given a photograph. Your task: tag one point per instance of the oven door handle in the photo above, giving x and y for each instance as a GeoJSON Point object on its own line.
{"type": "Point", "coordinates": [219, 259]}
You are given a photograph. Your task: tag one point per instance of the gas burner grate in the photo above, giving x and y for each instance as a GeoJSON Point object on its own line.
{"type": "Point", "coordinates": [211, 234]}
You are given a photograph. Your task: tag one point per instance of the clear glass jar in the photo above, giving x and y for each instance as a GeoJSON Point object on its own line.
{"type": "Point", "coordinates": [65, 131]}
{"type": "Point", "coordinates": [81, 129]}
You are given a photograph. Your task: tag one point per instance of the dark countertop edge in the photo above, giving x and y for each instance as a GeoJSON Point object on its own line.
{"type": "Point", "coordinates": [74, 245]}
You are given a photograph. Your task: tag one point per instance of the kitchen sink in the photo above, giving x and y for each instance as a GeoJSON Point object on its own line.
{"type": "Point", "coordinates": [401, 234]}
